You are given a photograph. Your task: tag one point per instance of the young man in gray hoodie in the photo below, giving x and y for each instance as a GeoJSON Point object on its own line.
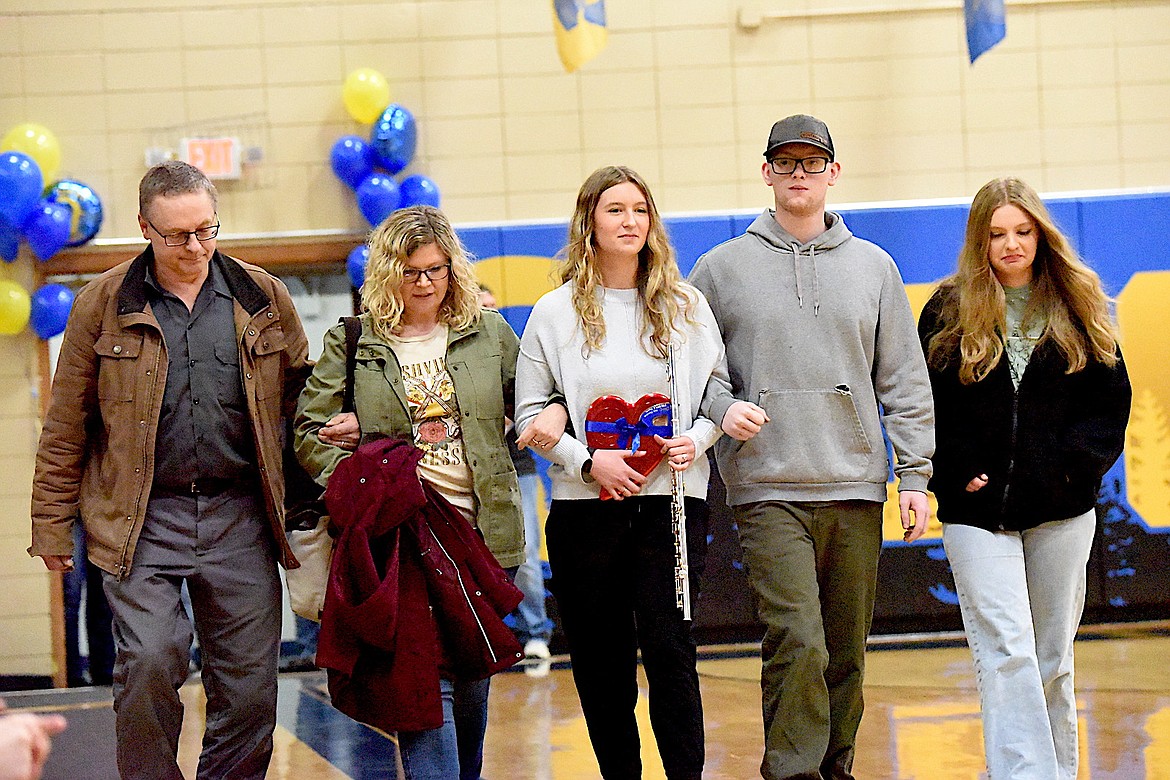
{"type": "Point", "coordinates": [822, 353]}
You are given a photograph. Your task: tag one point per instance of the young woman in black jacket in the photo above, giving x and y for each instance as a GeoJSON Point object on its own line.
{"type": "Point", "coordinates": [1031, 402]}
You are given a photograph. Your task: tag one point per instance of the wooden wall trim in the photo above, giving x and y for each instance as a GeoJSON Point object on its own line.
{"type": "Point", "coordinates": [272, 252]}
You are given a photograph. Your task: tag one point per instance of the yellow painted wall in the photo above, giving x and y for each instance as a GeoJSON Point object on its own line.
{"type": "Point", "coordinates": [1077, 97]}
{"type": "Point", "coordinates": [25, 646]}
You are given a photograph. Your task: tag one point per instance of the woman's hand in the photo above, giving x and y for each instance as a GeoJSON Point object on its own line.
{"type": "Point", "coordinates": [614, 475]}
{"type": "Point", "coordinates": [546, 428]}
{"type": "Point", "coordinates": [679, 451]}
{"type": "Point", "coordinates": [342, 431]}
{"type": "Point", "coordinates": [977, 483]}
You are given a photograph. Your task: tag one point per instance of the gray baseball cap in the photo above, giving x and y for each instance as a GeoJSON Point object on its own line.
{"type": "Point", "coordinates": [800, 129]}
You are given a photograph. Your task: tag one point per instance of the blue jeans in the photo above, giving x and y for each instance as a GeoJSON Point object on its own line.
{"type": "Point", "coordinates": [531, 619]}
{"type": "Point", "coordinates": [87, 578]}
{"type": "Point", "coordinates": [455, 749]}
{"type": "Point", "coordinates": [1021, 595]}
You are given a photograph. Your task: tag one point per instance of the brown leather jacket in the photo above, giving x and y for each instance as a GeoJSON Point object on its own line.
{"type": "Point", "coordinates": [96, 454]}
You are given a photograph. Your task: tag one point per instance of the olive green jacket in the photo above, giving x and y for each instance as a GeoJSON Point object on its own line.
{"type": "Point", "coordinates": [482, 364]}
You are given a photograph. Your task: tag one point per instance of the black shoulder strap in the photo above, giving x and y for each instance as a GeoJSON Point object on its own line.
{"type": "Point", "coordinates": [353, 330]}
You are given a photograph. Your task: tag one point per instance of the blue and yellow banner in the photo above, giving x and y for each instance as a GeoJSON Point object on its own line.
{"type": "Point", "coordinates": [986, 25]}
{"type": "Point", "coordinates": [581, 32]}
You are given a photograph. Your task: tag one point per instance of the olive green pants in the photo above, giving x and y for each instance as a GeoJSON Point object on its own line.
{"type": "Point", "coordinates": [813, 567]}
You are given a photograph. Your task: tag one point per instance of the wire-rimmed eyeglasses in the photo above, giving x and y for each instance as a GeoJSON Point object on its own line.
{"type": "Point", "coordinates": [181, 237]}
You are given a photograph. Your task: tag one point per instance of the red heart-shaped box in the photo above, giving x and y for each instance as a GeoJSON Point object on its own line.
{"type": "Point", "coordinates": [613, 423]}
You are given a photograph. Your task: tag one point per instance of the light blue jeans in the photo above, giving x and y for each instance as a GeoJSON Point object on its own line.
{"type": "Point", "coordinates": [454, 751]}
{"type": "Point", "coordinates": [1021, 595]}
{"type": "Point", "coordinates": [532, 620]}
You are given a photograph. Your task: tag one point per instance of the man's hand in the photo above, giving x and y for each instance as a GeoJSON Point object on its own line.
{"type": "Point", "coordinates": [58, 562]}
{"type": "Point", "coordinates": [546, 428]}
{"type": "Point", "coordinates": [342, 431]}
{"type": "Point", "coordinates": [744, 420]}
{"type": "Point", "coordinates": [913, 502]}
{"type": "Point", "coordinates": [25, 741]}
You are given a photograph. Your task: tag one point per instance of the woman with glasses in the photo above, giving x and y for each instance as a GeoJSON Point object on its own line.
{"type": "Point", "coordinates": [610, 330]}
{"type": "Point", "coordinates": [1031, 402]}
{"type": "Point", "coordinates": [434, 369]}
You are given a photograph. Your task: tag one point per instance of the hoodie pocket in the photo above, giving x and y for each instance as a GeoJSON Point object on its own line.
{"type": "Point", "coordinates": [816, 437]}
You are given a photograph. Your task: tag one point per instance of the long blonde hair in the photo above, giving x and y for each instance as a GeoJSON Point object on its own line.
{"type": "Point", "coordinates": [391, 244]}
{"type": "Point", "coordinates": [1067, 295]}
{"type": "Point", "coordinates": [660, 285]}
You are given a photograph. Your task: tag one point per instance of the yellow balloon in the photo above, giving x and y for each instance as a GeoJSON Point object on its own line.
{"type": "Point", "coordinates": [15, 306]}
{"type": "Point", "coordinates": [39, 143]}
{"type": "Point", "coordinates": [366, 94]}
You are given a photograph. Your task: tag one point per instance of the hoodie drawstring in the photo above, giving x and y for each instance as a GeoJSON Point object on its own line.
{"type": "Point", "coordinates": [795, 249]}
{"type": "Point", "coordinates": [812, 254]}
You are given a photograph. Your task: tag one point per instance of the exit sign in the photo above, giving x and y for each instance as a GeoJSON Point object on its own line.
{"type": "Point", "coordinates": [218, 158]}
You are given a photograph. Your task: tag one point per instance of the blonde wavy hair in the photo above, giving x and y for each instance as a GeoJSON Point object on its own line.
{"type": "Point", "coordinates": [391, 244]}
{"type": "Point", "coordinates": [661, 288]}
{"type": "Point", "coordinates": [1067, 295]}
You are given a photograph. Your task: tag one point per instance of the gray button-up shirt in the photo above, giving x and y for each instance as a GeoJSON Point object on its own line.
{"type": "Point", "coordinates": [203, 430]}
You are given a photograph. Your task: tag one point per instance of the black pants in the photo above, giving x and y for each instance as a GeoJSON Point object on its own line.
{"type": "Point", "coordinates": [613, 577]}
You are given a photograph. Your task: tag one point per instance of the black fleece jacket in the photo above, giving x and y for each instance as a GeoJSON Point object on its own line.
{"type": "Point", "coordinates": [1044, 446]}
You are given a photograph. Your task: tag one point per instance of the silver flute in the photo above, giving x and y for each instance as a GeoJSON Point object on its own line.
{"type": "Point", "coordinates": [678, 512]}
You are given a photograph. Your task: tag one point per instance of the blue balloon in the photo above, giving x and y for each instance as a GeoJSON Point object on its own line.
{"type": "Point", "coordinates": [393, 138]}
{"type": "Point", "coordinates": [377, 196]}
{"type": "Point", "coordinates": [9, 241]}
{"type": "Point", "coordinates": [86, 219]}
{"type": "Point", "coordinates": [47, 229]}
{"type": "Point", "coordinates": [419, 190]}
{"type": "Point", "coordinates": [351, 158]}
{"type": "Point", "coordinates": [50, 309]}
{"type": "Point", "coordinates": [20, 186]}
{"type": "Point", "coordinates": [355, 265]}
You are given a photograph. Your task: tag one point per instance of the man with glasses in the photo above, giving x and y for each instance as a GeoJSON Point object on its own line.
{"type": "Point", "coordinates": [164, 437]}
{"type": "Point", "coordinates": [822, 353]}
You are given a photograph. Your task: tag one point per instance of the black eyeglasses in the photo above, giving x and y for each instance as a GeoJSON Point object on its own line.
{"type": "Point", "coordinates": [438, 273]}
{"type": "Point", "coordinates": [181, 237]}
{"type": "Point", "coordinates": [783, 166]}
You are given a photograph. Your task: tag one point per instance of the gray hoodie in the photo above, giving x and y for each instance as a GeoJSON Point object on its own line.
{"type": "Point", "coordinates": [819, 335]}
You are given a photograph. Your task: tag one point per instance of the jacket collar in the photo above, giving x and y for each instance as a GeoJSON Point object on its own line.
{"type": "Point", "coordinates": [458, 335]}
{"type": "Point", "coordinates": [368, 339]}
{"type": "Point", "coordinates": [132, 293]}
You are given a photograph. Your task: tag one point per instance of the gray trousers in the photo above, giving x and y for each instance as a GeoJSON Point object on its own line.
{"type": "Point", "coordinates": [221, 547]}
{"type": "Point", "coordinates": [813, 567]}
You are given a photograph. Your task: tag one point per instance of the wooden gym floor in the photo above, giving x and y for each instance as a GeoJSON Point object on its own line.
{"type": "Point", "coordinates": [921, 720]}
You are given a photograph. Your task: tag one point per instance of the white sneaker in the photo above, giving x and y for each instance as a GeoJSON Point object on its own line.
{"type": "Point", "coordinates": [537, 648]}
{"type": "Point", "coordinates": [536, 668]}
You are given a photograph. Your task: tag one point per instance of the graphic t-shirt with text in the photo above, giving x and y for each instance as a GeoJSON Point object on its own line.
{"type": "Point", "coordinates": [434, 415]}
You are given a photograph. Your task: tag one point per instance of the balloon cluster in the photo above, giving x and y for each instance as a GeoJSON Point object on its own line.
{"type": "Point", "coordinates": [368, 165]}
{"type": "Point", "coordinates": [47, 309]}
{"type": "Point", "coordinates": [64, 213]}
{"type": "Point", "coordinates": [49, 216]}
